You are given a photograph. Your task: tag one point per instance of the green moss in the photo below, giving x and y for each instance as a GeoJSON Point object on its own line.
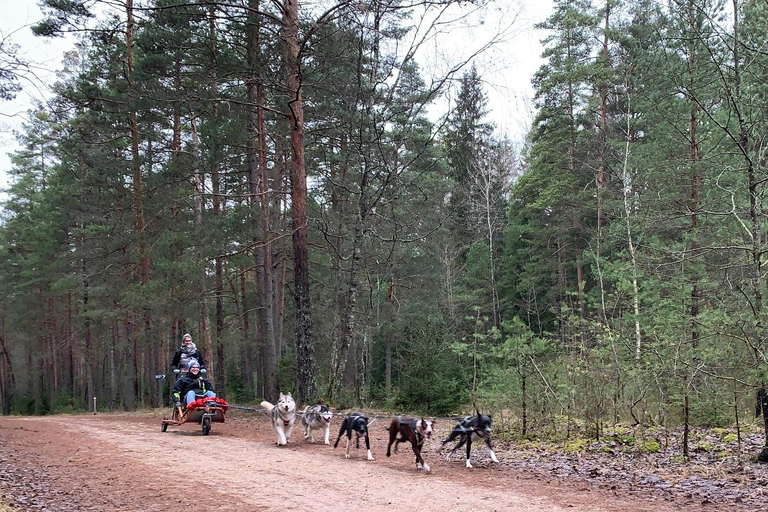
{"type": "Point", "coordinates": [575, 445]}
{"type": "Point", "coordinates": [730, 438]}
{"type": "Point", "coordinates": [528, 444]}
{"type": "Point", "coordinates": [649, 446]}
{"type": "Point", "coordinates": [621, 437]}
{"type": "Point", "coordinates": [619, 430]}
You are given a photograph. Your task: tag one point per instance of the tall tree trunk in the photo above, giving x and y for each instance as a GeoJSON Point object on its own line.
{"type": "Point", "coordinates": [348, 325]}
{"type": "Point", "coordinates": [249, 359]}
{"type": "Point", "coordinates": [205, 316]}
{"type": "Point", "coordinates": [258, 186]}
{"type": "Point", "coordinates": [219, 206]}
{"type": "Point", "coordinates": [138, 196]}
{"type": "Point", "coordinates": [87, 352]}
{"type": "Point", "coordinates": [305, 351]}
{"type": "Point", "coordinates": [49, 349]}
{"type": "Point", "coordinates": [627, 188]}
{"type": "Point", "coordinates": [696, 181]}
{"type": "Point", "coordinates": [114, 367]}
{"type": "Point", "coordinates": [600, 178]}
{"type": "Point", "coordinates": [74, 350]}
{"type": "Point", "coordinates": [390, 320]}
{"type": "Point", "coordinates": [131, 385]}
{"type": "Point", "coordinates": [278, 226]}
{"type": "Point", "coordinates": [577, 231]}
{"type": "Point", "coordinates": [7, 378]}
{"type": "Point", "coordinates": [266, 270]}
{"type": "Point", "coordinates": [748, 149]}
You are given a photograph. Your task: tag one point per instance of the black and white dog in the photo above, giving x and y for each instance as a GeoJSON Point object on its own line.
{"type": "Point", "coordinates": [358, 423]}
{"type": "Point", "coordinates": [316, 417]}
{"type": "Point", "coordinates": [412, 431]}
{"type": "Point", "coordinates": [479, 425]}
{"type": "Point", "coordinates": [283, 417]}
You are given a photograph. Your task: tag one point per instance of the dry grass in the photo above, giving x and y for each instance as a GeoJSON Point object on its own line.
{"type": "Point", "coordinates": [5, 507]}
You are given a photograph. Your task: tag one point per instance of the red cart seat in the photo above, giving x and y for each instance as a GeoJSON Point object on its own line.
{"type": "Point", "coordinates": [215, 401]}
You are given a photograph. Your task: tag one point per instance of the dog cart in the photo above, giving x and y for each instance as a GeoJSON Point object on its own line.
{"type": "Point", "coordinates": [203, 411]}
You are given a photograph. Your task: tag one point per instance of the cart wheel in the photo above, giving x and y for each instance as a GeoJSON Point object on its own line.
{"type": "Point", "coordinates": [163, 427]}
{"type": "Point", "coordinates": [206, 425]}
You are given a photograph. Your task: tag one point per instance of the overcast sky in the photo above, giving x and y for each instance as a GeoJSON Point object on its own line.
{"type": "Point", "coordinates": [506, 69]}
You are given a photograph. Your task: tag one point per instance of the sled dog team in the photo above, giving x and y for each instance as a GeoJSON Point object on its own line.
{"type": "Point", "coordinates": [410, 430]}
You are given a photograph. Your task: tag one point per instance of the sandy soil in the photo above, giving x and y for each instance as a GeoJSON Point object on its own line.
{"type": "Point", "coordinates": [124, 462]}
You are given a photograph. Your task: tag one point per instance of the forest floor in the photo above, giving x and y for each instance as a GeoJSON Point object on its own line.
{"type": "Point", "coordinates": [123, 462]}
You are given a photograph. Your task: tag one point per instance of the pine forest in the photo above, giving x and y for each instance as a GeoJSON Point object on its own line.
{"type": "Point", "coordinates": [285, 182]}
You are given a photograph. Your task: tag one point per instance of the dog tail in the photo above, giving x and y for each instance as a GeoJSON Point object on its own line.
{"type": "Point", "coordinates": [266, 405]}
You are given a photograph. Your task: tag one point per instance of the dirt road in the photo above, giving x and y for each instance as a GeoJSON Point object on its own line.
{"type": "Point", "coordinates": [123, 462]}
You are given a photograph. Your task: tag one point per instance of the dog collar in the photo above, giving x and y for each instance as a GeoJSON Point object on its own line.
{"type": "Point", "coordinates": [286, 422]}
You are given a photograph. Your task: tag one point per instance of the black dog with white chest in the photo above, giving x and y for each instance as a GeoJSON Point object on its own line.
{"type": "Point", "coordinates": [480, 425]}
{"type": "Point", "coordinates": [358, 423]}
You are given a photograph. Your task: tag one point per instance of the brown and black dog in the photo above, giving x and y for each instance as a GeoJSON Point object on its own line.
{"type": "Point", "coordinates": [410, 430]}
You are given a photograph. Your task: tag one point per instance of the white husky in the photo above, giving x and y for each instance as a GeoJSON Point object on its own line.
{"type": "Point", "coordinates": [283, 416]}
{"type": "Point", "coordinates": [316, 417]}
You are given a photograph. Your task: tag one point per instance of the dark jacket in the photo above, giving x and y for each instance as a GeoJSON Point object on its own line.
{"type": "Point", "coordinates": [189, 382]}
{"type": "Point", "coordinates": [177, 359]}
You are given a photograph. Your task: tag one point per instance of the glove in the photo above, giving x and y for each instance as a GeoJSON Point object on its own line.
{"type": "Point", "coordinates": [176, 371]}
{"type": "Point", "coordinates": [203, 370]}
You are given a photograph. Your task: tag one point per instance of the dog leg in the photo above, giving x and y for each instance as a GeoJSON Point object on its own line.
{"type": "Point", "coordinates": [469, 447]}
{"type": "Point", "coordinates": [281, 437]}
{"type": "Point", "coordinates": [461, 443]}
{"type": "Point", "coordinates": [420, 463]}
{"type": "Point", "coordinates": [327, 429]}
{"type": "Point", "coordinates": [346, 450]}
{"type": "Point", "coordinates": [368, 446]}
{"type": "Point", "coordinates": [288, 432]}
{"type": "Point", "coordinates": [341, 432]}
{"type": "Point", "coordinates": [493, 455]}
{"type": "Point", "coordinates": [392, 437]}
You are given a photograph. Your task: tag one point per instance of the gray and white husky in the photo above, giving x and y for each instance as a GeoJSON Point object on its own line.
{"type": "Point", "coordinates": [283, 415]}
{"type": "Point", "coordinates": [316, 417]}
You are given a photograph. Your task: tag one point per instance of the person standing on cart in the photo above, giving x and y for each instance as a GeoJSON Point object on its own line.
{"type": "Point", "coordinates": [190, 385]}
{"type": "Point", "coordinates": [186, 353]}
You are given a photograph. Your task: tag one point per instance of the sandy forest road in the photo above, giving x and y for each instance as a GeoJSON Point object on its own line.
{"type": "Point", "coordinates": [121, 462]}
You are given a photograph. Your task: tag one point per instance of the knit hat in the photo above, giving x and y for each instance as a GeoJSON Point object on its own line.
{"type": "Point", "coordinates": [186, 337]}
{"type": "Point", "coordinates": [192, 363]}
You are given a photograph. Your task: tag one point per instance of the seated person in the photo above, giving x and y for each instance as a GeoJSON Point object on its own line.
{"type": "Point", "coordinates": [191, 384]}
{"type": "Point", "coordinates": [186, 353]}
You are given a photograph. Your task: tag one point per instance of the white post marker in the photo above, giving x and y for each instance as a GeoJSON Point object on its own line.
{"type": "Point", "coordinates": [94, 405]}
